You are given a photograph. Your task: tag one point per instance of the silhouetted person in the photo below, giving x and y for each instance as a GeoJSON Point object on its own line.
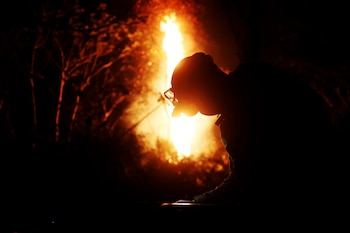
{"type": "Point", "coordinates": [275, 131]}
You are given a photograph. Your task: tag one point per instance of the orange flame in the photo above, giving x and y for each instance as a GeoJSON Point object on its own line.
{"type": "Point", "coordinates": [181, 129]}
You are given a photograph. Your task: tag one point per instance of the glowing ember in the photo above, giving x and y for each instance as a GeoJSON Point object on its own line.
{"type": "Point", "coordinates": [181, 128]}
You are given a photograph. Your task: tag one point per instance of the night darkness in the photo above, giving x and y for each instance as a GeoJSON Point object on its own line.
{"type": "Point", "coordinates": [95, 174]}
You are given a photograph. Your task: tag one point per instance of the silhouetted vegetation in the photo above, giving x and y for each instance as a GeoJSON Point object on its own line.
{"type": "Point", "coordinates": [70, 73]}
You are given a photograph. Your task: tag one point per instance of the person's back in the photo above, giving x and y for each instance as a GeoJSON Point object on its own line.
{"type": "Point", "coordinates": [277, 135]}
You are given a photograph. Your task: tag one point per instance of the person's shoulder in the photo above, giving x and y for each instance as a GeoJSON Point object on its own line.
{"type": "Point", "coordinates": [256, 71]}
{"type": "Point", "coordinates": [254, 64]}
{"type": "Point", "coordinates": [256, 67]}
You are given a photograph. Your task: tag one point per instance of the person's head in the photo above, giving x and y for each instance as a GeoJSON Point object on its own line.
{"type": "Point", "coordinates": [196, 86]}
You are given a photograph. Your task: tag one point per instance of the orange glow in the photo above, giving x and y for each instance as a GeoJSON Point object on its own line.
{"type": "Point", "coordinates": [181, 129]}
{"type": "Point", "coordinates": [172, 43]}
{"type": "Point", "coordinates": [182, 134]}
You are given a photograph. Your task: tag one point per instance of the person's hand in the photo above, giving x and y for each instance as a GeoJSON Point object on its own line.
{"type": "Point", "coordinates": [202, 198]}
{"type": "Point", "coordinates": [184, 201]}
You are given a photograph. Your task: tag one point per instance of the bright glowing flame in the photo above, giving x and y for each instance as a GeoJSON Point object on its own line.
{"type": "Point", "coordinates": [181, 129]}
{"type": "Point", "coordinates": [182, 134]}
{"type": "Point", "coordinates": [172, 43]}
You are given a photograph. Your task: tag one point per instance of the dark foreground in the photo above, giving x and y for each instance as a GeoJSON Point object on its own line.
{"type": "Point", "coordinates": [124, 217]}
{"type": "Point", "coordinates": [157, 217]}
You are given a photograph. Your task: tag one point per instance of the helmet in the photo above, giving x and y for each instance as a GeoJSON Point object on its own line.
{"type": "Point", "coordinates": [191, 71]}
{"type": "Point", "coordinates": [191, 74]}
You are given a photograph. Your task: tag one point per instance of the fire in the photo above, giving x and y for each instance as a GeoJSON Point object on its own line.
{"type": "Point", "coordinates": [181, 129]}
{"type": "Point", "coordinates": [172, 43]}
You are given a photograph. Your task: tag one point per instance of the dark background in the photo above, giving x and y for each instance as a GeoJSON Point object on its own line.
{"type": "Point", "coordinates": [80, 183]}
